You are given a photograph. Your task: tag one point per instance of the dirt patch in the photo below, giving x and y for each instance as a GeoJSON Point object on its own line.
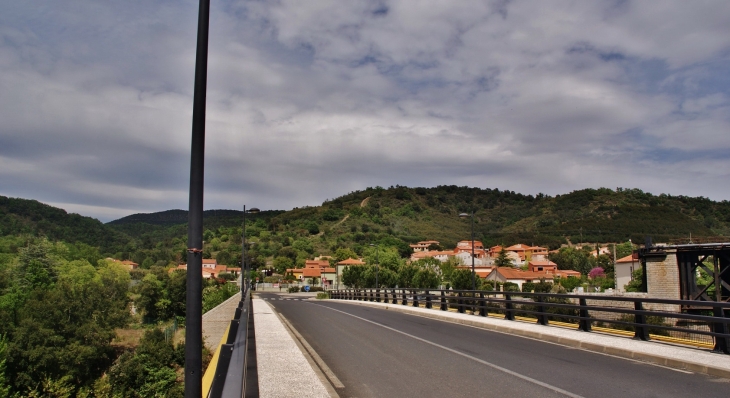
{"type": "Point", "coordinates": [128, 338]}
{"type": "Point", "coordinates": [364, 202]}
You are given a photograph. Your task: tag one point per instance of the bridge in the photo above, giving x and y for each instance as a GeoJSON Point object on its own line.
{"type": "Point", "coordinates": [403, 342]}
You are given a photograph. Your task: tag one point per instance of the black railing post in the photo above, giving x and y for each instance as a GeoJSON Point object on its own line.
{"type": "Point", "coordinates": [509, 313]}
{"type": "Point", "coordinates": [722, 344]}
{"type": "Point", "coordinates": [461, 303]}
{"type": "Point", "coordinates": [405, 297]}
{"type": "Point", "coordinates": [394, 299]}
{"type": "Point", "coordinates": [541, 316]}
{"type": "Point", "coordinates": [482, 305]}
{"type": "Point", "coordinates": [585, 323]}
{"type": "Point", "coordinates": [642, 330]}
{"type": "Point", "coordinates": [444, 307]}
{"type": "Point", "coordinates": [377, 295]}
{"type": "Point", "coordinates": [428, 300]}
{"type": "Point", "coordinates": [415, 298]}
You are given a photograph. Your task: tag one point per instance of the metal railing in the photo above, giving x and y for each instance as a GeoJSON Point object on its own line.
{"type": "Point", "coordinates": [647, 318]}
{"type": "Point", "coordinates": [230, 377]}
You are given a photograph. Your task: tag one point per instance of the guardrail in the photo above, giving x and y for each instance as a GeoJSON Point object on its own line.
{"type": "Point", "coordinates": [230, 377]}
{"type": "Point", "coordinates": [708, 326]}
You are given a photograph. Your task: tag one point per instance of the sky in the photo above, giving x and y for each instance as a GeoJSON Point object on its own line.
{"type": "Point", "coordinates": [310, 100]}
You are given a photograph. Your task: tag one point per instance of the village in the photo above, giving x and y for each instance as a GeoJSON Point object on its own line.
{"type": "Point", "coordinates": [525, 265]}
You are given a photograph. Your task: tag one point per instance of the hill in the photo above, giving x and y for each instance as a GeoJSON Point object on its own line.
{"type": "Point", "coordinates": [392, 217]}
{"type": "Point", "coordinates": [30, 217]}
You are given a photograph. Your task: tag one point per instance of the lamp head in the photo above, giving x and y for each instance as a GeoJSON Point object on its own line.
{"type": "Point", "coordinates": [253, 210]}
{"type": "Point", "coordinates": [463, 215]}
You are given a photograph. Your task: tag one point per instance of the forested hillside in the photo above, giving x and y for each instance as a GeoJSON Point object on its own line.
{"type": "Point", "coordinates": [66, 327]}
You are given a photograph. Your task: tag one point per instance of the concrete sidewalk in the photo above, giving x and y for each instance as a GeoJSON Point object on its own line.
{"type": "Point", "coordinates": [216, 321]}
{"type": "Point", "coordinates": [669, 355]}
{"type": "Point", "coordinates": [283, 369]}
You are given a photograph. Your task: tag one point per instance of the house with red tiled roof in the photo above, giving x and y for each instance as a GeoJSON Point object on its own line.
{"type": "Point", "coordinates": [623, 270]}
{"type": "Point", "coordinates": [423, 245]}
{"type": "Point", "coordinates": [442, 256]}
{"type": "Point", "coordinates": [551, 269]}
{"type": "Point", "coordinates": [131, 265]}
{"type": "Point", "coordinates": [340, 268]}
{"type": "Point", "coordinates": [210, 269]}
{"type": "Point", "coordinates": [319, 269]}
{"type": "Point", "coordinates": [517, 276]}
{"type": "Point", "coordinates": [481, 271]}
{"type": "Point", "coordinates": [527, 253]}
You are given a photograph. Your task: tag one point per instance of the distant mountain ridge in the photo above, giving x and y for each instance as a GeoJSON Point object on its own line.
{"type": "Point", "coordinates": [173, 217]}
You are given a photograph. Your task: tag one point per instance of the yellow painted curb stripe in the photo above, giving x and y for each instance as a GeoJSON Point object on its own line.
{"type": "Point", "coordinates": [210, 371]}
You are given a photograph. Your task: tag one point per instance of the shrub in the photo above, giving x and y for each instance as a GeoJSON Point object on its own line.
{"type": "Point", "coordinates": [293, 289]}
{"type": "Point", "coordinates": [528, 287]}
{"type": "Point", "coordinates": [323, 295]}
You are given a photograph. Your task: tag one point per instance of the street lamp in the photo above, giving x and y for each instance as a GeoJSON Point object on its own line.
{"type": "Point", "coordinates": [473, 273]}
{"type": "Point", "coordinates": [377, 263]}
{"type": "Point", "coordinates": [244, 271]}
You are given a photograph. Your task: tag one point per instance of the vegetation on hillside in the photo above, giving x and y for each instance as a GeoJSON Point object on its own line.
{"type": "Point", "coordinates": [62, 302]}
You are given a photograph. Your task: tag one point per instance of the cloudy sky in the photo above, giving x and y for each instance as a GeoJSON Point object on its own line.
{"type": "Point", "coordinates": [309, 100]}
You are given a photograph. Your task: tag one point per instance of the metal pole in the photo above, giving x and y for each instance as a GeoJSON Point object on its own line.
{"type": "Point", "coordinates": [377, 265]}
{"type": "Point", "coordinates": [243, 255]}
{"type": "Point", "coordinates": [473, 273]}
{"type": "Point", "coordinates": [194, 296]}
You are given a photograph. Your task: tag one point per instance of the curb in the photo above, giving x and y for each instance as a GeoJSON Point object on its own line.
{"type": "Point", "coordinates": [564, 341]}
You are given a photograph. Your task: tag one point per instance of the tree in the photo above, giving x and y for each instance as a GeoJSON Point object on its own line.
{"type": "Point", "coordinates": [343, 253]}
{"type": "Point", "coordinates": [637, 281]}
{"type": "Point", "coordinates": [36, 265]}
{"type": "Point", "coordinates": [65, 331]}
{"type": "Point", "coordinates": [502, 259]}
{"type": "Point", "coordinates": [352, 276]}
{"type": "Point", "coordinates": [406, 273]}
{"type": "Point", "coordinates": [281, 264]}
{"type": "Point", "coordinates": [149, 371]}
{"type": "Point", "coordinates": [426, 278]}
{"type": "Point", "coordinates": [150, 291]}
{"type": "Point", "coordinates": [461, 279]}
{"type": "Point", "coordinates": [4, 382]}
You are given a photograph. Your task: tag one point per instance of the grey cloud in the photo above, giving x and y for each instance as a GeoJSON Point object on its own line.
{"type": "Point", "coordinates": [310, 100]}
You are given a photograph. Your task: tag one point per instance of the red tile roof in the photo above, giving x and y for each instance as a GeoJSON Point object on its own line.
{"type": "Point", "coordinates": [351, 261]}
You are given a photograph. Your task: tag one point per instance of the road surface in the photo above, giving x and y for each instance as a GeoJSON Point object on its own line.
{"type": "Point", "coordinates": [380, 353]}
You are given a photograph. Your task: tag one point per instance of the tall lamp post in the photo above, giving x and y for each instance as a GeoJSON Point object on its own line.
{"type": "Point", "coordinates": [473, 272]}
{"type": "Point", "coordinates": [244, 270]}
{"type": "Point", "coordinates": [194, 290]}
{"type": "Point", "coordinates": [377, 263]}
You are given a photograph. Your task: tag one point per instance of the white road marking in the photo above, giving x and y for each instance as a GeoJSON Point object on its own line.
{"type": "Point", "coordinates": [483, 362]}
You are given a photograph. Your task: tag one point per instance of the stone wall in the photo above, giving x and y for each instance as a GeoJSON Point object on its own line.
{"type": "Point", "coordinates": [662, 277]}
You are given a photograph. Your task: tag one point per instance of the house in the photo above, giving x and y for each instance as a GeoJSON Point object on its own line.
{"type": "Point", "coordinates": [210, 269]}
{"type": "Point", "coordinates": [550, 269]}
{"type": "Point", "coordinates": [318, 268]}
{"type": "Point", "coordinates": [480, 271]}
{"type": "Point", "coordinates": [423, 245]}
{"type": "Point", "coordinates": [527, 253]}
{"type": "Point", "coordinates": [131, 265]}
{"type": "Point", "coordinates": [442, 256]}
{"type": "Point", "coordinates": [340, 267]}
{"type": "Point", "coordinates": [623, 269]}
{"type": "Point", "coordinates": [542, 266]}
{"type": "Point", "coordinates": [518, 277]}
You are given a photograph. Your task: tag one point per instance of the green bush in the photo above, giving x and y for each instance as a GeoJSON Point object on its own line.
{"type": "Point", "coordinates": [528, 287]}
{"type": "Point", "coordinates": [511, 287]}
{"type": "Point", "coordinates": [323, 295]}
{"type": "Point", "coordinates": [293, 289]}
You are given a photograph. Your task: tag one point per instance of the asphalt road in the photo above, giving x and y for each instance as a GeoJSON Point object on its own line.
{"type": "Point", "coordinates": [380, 353]}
